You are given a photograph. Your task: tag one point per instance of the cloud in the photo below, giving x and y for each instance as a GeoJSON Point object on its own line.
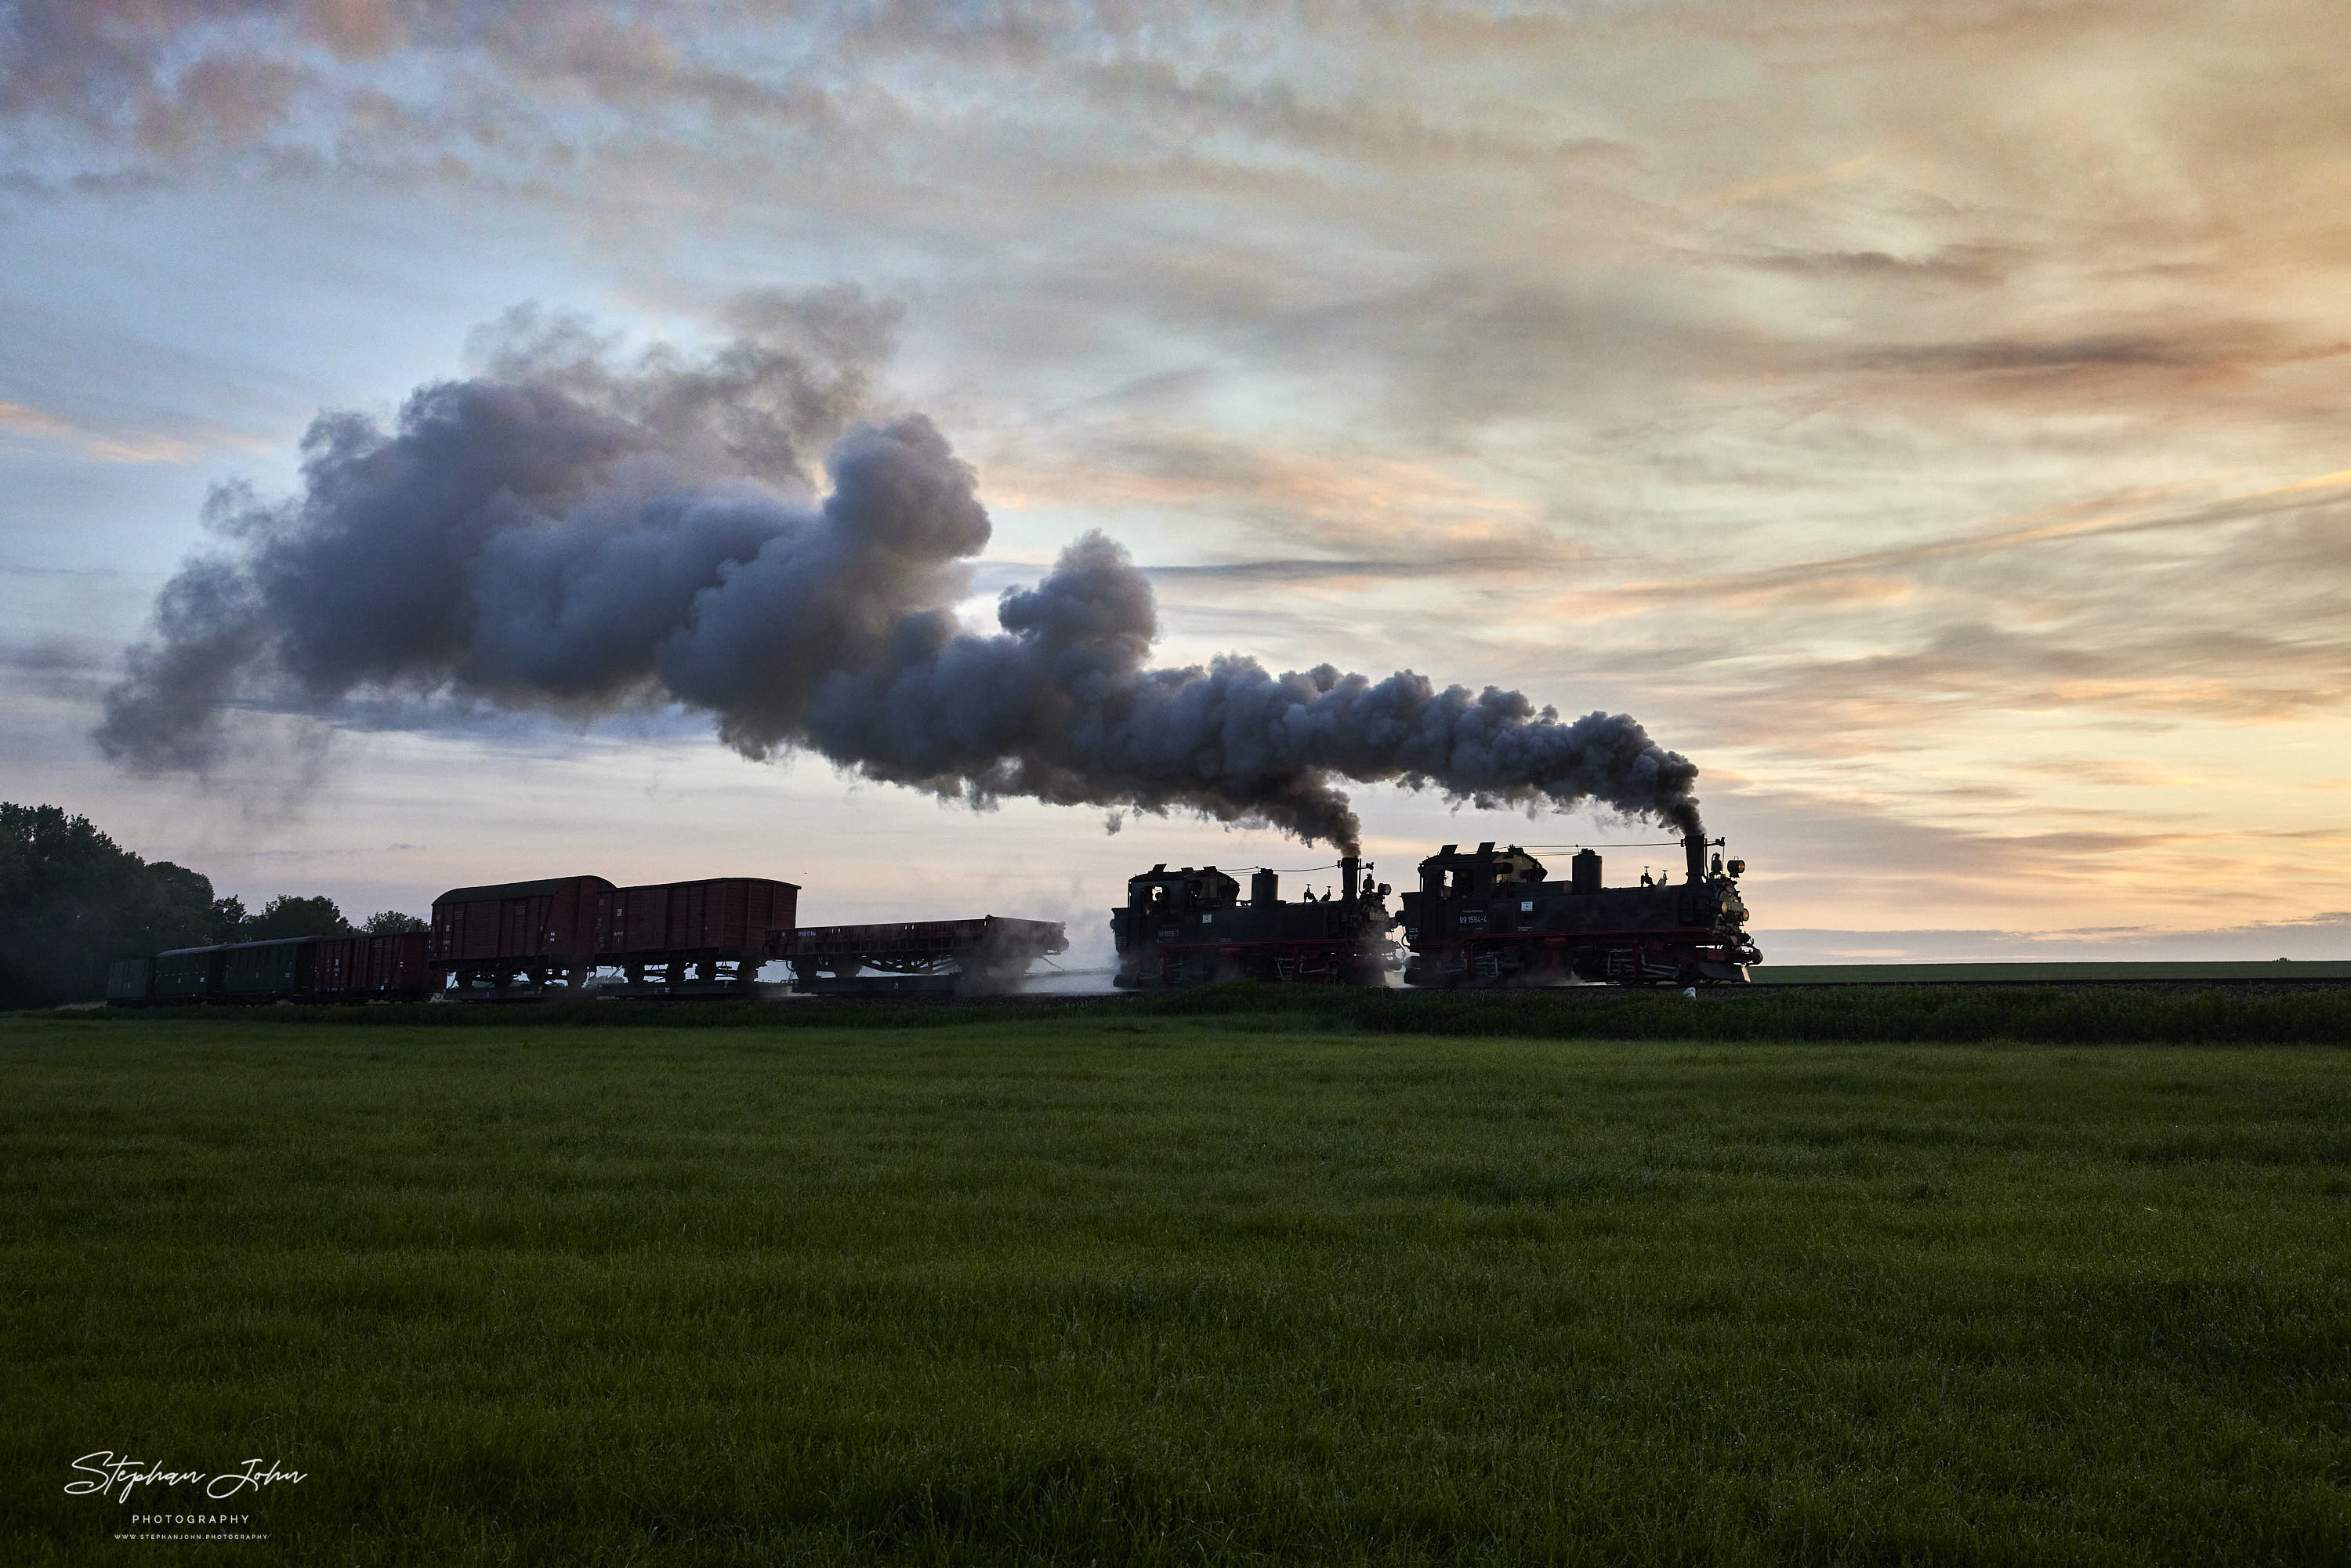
{"type": "Point", "coordinates": [16, 417]}
{"type": "Point", "coordinates": [20, 419]}
{"type": "Point", "coordinates": [1863, 388]}
{"type": "Point", "coordinates": [2137, 365]}
{"type": "Point", "coordinates": [1335, 571]}
{"type": "Point", "coordinates": [1974, 265]}
{"type": "Point", "coordinates": [58, 668]}
{"type": "Point", "coordinates": [1803, 180]}
{"type": "Point", "coordinates": [2042, 614]}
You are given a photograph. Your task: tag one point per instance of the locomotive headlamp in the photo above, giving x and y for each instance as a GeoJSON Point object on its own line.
{"type": "Point", "coordinates": [1738, 868]}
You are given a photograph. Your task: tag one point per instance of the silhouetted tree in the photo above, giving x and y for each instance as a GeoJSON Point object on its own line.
{"type": "Point", "coordinates": [227, 919]}
{"type": "Point", "coordinates": [288, 915]}
{"type": "Point", "coordinates": [72, 900]}
{"type": "Point", "coordinates": [391, 922]}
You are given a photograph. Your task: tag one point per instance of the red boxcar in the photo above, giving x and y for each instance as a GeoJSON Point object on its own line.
{"type": "Point", "coordinates": [526, 932]}
{"type": "Point", "coordinates": [362, 966]}
{"type": "Point", "coordinates": [730, 913]}
{"type": "Point", "coordinates": [690, 929]}
{"type": "Point", "coordinates": [341, 963]}
{"type": "Point", "coordinates": [536, 935]}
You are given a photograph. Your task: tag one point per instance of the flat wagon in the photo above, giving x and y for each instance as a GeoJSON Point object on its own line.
{"type": "Point", "coordinates": [968, 957]}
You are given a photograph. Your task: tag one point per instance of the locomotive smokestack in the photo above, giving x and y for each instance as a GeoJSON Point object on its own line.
{"type": "Point", "coordinates": [1694, 849]}
{"type": "Point", "coordinates": [572, 533]}
{"type": "Point", "coordinates": [1349, 868]}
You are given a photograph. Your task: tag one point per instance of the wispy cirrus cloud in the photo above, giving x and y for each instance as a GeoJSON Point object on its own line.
{"type": "Point", "coordinates": [22, 420]}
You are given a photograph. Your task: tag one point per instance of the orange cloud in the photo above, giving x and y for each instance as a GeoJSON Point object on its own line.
{"type": "Point", "coordinates": [25, 420]}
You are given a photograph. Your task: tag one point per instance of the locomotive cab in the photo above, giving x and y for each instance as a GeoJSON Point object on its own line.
{"type": "Point", "coordinates": [1461, 892]}
{"type": "Point", "coordinates": [1162, 895]}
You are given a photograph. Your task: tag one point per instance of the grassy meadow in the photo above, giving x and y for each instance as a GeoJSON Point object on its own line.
{"type": "Point", "coordinates": [1170, 1286]}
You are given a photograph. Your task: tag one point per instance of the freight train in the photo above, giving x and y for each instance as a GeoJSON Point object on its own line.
{"type": "Point", "coordinates": [1490, 917]}
{"type": "Point", "coordinates": [566, 935]}
{"type": "Point", "coordinates": [1485, 918]}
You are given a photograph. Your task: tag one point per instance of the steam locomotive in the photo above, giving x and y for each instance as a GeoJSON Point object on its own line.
{"type": "Point", "coordinates": [1485, 918]}
{"type": "Point", "coordinates": [1187, 927]}
{"type": "Point", "coordinates": [1489, 918]}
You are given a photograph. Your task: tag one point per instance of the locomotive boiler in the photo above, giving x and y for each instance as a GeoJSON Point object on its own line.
{"type": "Point", "coordinates": [1188, 926]}
{"type": "Point", "coordinates": [1491, 918]}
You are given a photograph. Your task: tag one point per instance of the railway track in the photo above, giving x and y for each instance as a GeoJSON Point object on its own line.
{"type": "Point", "coordinates": [1601, 994]}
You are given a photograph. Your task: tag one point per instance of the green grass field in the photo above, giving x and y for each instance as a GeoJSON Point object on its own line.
{"type": "Point", "coordinates": [1162, 1288]}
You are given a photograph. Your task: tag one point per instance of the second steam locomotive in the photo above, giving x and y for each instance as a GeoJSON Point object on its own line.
{"type": "Point", "coordinates": [1490, 917]}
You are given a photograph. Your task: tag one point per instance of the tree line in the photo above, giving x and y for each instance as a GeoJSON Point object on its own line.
{"type": "Point", "coordinates": [72, 901]}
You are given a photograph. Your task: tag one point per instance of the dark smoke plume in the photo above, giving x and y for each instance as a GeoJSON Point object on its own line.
{"type": "Point", "coordinates": [560, 534]}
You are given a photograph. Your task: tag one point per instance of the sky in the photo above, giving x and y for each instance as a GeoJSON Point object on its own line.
{"type": "Point", "coordinates": [1929, 419]}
